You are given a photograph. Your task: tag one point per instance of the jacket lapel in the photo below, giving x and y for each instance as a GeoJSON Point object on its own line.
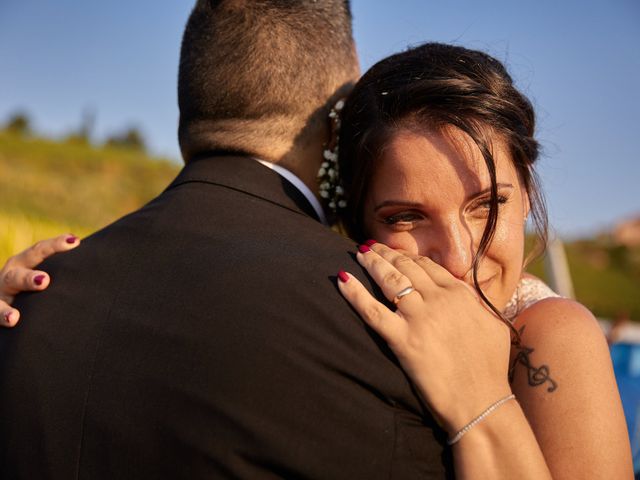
{"type": "Point", "coordinates": [247, 175]}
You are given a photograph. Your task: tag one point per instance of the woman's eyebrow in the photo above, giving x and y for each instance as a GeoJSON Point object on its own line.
{"type": "Point", "coordinates": [396, 203]}
{"type": "Point", "coordinates": [488, 190]}
{"type": "Point", "coordinates": [404, 203]}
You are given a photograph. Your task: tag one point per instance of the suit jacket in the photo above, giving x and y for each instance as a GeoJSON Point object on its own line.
{"type": "Point", "coordinates": [203, 336]}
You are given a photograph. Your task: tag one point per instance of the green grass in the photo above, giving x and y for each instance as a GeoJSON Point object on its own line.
{"type": "Point", "coordinates": [20, 231]}
{"type": "Point", "coordinates": [607, 284]}
{"type": "Point", "coordinates": [51, 187]}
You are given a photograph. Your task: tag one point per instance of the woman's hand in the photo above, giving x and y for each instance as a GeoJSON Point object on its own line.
{"type": "Point", "coordinates": [17, 274]}
{"type": "Point", "coordinates": [453, 348]}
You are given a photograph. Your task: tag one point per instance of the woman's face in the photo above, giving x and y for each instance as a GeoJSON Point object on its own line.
{"type": "Point", "coordinates": [430, 195]}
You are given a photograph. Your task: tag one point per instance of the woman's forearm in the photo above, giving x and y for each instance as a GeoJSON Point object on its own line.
{"type": "Point", "coordinates": [498, 447]}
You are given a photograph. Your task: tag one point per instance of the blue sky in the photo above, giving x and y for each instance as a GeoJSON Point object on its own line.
{"type": "Point", "coordinates": [579, 62]}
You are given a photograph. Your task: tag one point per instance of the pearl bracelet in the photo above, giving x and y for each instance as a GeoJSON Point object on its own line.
{"type": "Point", "coordinates": [456, 438]}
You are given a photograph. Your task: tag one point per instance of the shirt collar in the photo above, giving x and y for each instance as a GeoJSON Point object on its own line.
{"type": "Point", "coordinates": [300, 185]}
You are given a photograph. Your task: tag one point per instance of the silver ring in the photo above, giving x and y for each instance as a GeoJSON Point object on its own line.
{"type": "Point", "coordinates": [402, 293]}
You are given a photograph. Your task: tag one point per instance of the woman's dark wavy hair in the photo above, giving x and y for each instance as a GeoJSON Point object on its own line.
{"type": "Point", "coordinates": [437, 86]}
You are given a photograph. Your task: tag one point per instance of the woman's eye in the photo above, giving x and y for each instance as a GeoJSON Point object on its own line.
{"type": "Point", "coordinates": [403, 218]}
{"type": "Point", "coordinates": [485, 204]}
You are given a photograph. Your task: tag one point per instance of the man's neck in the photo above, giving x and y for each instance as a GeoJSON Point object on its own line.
{"type": "Point", "coordinates": [305, 165]}
{"type": "Point", "coordinates": [301, 186]}
{"type": "Point", "coordinates": [302, 157]}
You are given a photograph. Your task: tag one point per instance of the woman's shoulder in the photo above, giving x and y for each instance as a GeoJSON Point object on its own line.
{"type": "Point", "coordinates": [566, 317]}
{"type": "Point", "coordinates": [539, 305]}
{"type": "Point", "coordinates": [558, 327]}
{"type": "Point", "coordinates": [564, 335]}
{"type": "Point", "coordinates": [529, 291]}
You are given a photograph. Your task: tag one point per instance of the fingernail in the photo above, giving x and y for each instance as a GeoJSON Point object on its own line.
{"type": "Point", "coordinates": [368, 243]}
{"type": "Point", "coordinates": [7, 318]}
{"type": "Point", "coordinates": [363, 249]}
{"type": "Point", "coordinates": [342, 275]}
{"type": "Point", "coordinates": [71, 239]}
{"type": "Point", "coordinates": [38, 279]}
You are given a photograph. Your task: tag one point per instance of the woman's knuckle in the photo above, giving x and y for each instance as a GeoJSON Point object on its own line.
{"type": "Point", "coordinates": [10, 263]}
{"type": "Point", "coordinates": [415, 342]}
{"type": "Point", "coordinates": [424, 262]}
{"type": "Point", "coordinates": [402, 261]}
{"type": "Point", "coordinates": [38, 247]}
{"type": "Point", "coordinates": [373, 312]}
{"type": "Point", "coordinates": [376, 262]}
{"type": "Point", "coordinates": [8, 277]}
{"type": "Point", "coordinates": [44, 249]}
{"type": "Point", "coordinates": [393, 278]}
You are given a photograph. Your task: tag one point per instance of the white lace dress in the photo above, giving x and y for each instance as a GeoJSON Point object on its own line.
{"type": "Point", "coordinates": [529, 291]}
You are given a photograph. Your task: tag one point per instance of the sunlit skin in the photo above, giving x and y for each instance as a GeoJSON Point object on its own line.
{"type": "Point", "coordinates": [430, 196]}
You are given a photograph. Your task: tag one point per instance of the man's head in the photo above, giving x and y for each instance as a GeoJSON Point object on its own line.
{"type": "Point", "coordinates": [259, 76]}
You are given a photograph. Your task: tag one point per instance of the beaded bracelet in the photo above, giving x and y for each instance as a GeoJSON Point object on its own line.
{"type": "Point", "coordinates": [456, 438]}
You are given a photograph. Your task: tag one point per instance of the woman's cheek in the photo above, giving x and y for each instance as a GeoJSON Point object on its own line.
{"type": "Point", "coordinates": [508, 247]}
{"type": "Point", "coordinates": [405, 241]}
{"type": "Point", "coordinates": [412, 244]}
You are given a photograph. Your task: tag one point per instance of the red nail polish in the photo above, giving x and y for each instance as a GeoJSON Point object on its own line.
{"type": "Point", "coordinates": [71, 239]}
{"type": "Point", "coordinates": [38, 279]}
{"type": "Point", "coordinates": [342, 275]}
{"type": "Point", "coordinates": [368, 243]}
{"type": "Point", "coordinates": [363, 249]}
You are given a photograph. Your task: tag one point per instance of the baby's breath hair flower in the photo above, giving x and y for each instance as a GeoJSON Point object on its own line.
{"type": "Point", "coordinates": [329, 173]}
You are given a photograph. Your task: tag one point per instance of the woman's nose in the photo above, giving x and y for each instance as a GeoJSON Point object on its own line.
{"type": "Point", "coordinates": [453, 250]}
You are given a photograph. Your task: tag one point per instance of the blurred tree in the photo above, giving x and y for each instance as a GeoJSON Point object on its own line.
{"type": "Point", "coordinates": [87, 123]}
{"type": "Point", "coordinates": [619, 256]}
{"type": "Point", "coordinates": [82, 136]}
{"type": "Point", "coordinates": [19, 124]}
{"type": "Point", "coordinates": [131, 138]}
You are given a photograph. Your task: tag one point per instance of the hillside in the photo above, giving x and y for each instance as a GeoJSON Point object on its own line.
{"type": "Point", "coordinates": [50, 187]}
{"type": "Point", "coordinates": [606, 276]}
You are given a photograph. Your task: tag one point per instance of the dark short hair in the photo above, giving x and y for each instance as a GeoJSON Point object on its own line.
{"type": "Point", "coordinates": [436, 85]}
{"type": "Point", "coordinates": [255, 71]}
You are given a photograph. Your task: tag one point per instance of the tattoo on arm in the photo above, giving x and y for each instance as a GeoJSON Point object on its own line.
{"type": "Point", "coordinates": [535, 375]}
